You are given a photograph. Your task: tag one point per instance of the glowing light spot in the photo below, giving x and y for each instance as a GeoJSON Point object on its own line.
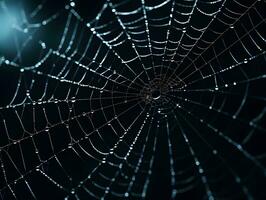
{"type": "Point", "coordinates": [72, 4]}
{"type": "Point", "coordinates": [7, 22]}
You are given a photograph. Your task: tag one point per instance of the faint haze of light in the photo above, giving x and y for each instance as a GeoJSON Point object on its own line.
{"type": "Point", "coordinates": [11, 20]}
{"type": "Point", "coordinates": [8, 21]}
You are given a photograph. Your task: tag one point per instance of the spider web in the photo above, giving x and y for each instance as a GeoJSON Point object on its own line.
{"type": "Point", "coordinates": [145, 99]}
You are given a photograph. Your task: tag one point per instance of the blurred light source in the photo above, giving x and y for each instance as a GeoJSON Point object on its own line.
{"type": "Point", "coordinates": [7, 22]}
{"type": "Point", "coordinates": [9, 15]}
{"type": "Point", "coordinates": [10, 23]}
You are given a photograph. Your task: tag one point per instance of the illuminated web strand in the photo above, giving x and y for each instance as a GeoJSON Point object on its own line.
{"type": "Point", "coordinates": [228, 69]}
{"type": "Point", "coordinates": [228, 139]}
{"type": "Point", "coordinates": [168, 33]}
{"type": "Point", "coordinates": [64, 122]}
{"type": "Point", "coordinates": [244, 61]}
{"type": "Point", "coordinates": [171, 160]}
{"type": "Point", "coordinates": [197, 163]}
{"type": "Point", "coordinates": [127, 34]}
{"type": "Point", "coordinates": [137, 169]}
{"type": "Point", "coordinates": [148, 32]}
{"type": "Point", "coordinates": [99, 36]}
{"type": "Point", "coordinates": [203, 30]}
{"type": "Point", "coordinates": [43, 161]}
{"type": "Point", "coordinates": [219, 36]}
{"type": "Point", "coordinates": [238, 180]}
{"type": "Point", "coordinates": [188, 22]}
{"type": "Point", "coordinates": [100, 163]}
{"type": "Point", "coordinates": [125, 158]}
{"type": "Point", "coordinates": [60, 46]}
